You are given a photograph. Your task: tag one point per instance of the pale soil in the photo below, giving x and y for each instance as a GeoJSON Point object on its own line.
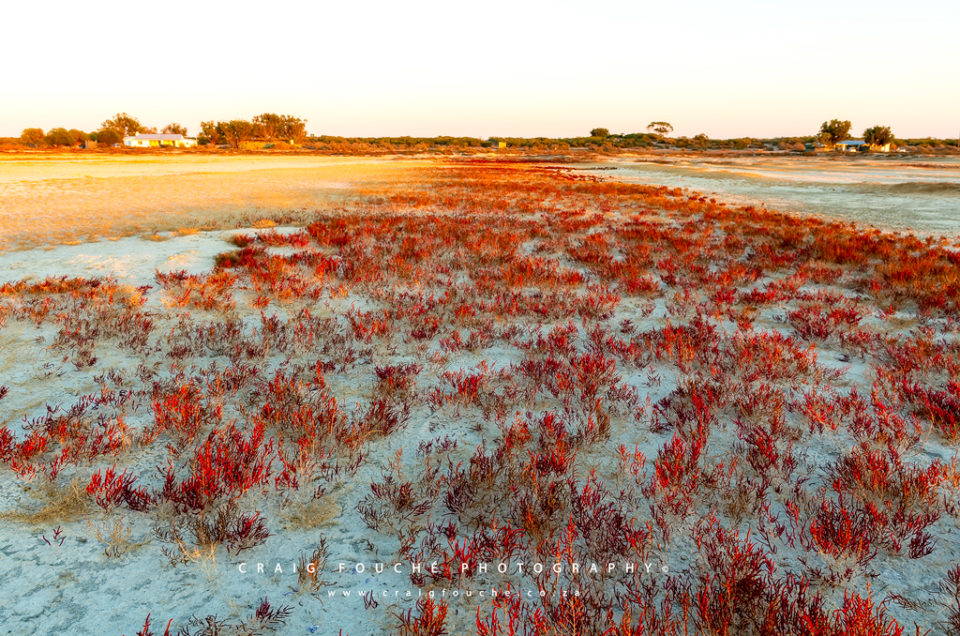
{"type": "Point", "coordinates": [73, 198]}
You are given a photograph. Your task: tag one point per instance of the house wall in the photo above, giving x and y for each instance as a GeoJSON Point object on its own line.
{"type": "Point", "coordinates": [156, 143]}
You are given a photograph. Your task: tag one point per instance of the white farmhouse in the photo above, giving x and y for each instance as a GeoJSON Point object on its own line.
{"type": "Point", "coordinates": [154, 140]}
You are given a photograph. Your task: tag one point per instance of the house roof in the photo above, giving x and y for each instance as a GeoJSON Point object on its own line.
{"type": "Point", "coordinates": [851, 142]}
{"type": "Point", "coordinates": [156, 137]}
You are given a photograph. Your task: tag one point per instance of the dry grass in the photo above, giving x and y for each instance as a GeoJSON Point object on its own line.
{"type": "Point", "coordinates": [313, 514]}
{"type": "Point", "coordinates": [58, 505]}
{"type": "Point", "coordinates": [115, 536]}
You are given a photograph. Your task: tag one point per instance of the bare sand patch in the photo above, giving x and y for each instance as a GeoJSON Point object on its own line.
{"type": "Point", "coordinates": [57, 199]}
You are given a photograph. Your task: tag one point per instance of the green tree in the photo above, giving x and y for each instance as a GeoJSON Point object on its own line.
{"type": "Point", "coordinates": [175, 129]}
{"type": "Point", "coordinates": [878, 135]}
{"type": "Point", "coordinates": [123, 124]}
{"type": "Point", "coordinates": [209, 134]}
{"type": "Point", "coordinates": [599, 132]}
{"type": "Point", "coordinates": [701, 140]}
{"type": "Point", "coordinates": [294, 128]}
{"type": "Point", "coordinates": [64, 137]}
{"type": "Point", "coordinates": [109, 137]}
{"type": "Point", "coordinates": [271, 126]}
{"type": "Point", "coordinates": [660, 127]}
{"type": "Point", "coordinates": [834, 131]}
{"type": "Point", "coordinates": [268, 126]}
{"type": "Point", "coordinates": [32, 137]}
{"type": "Point", "coordinates": [60, 137]}
{"type": "Point", "coordinates": [236, 131]}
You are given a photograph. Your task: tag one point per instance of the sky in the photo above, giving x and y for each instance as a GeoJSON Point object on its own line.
{"type": "Point", "coordinates": [759, 68]}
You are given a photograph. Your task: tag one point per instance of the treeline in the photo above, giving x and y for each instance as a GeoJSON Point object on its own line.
{"type": "Point", "coordinates": [836, 130]}
{"type": "Point", "coordinates": [276, 131]}
{"type": "Point", "coordinates": [111, 132]}
{"type": "Point", "coordinates": [610, 143]}
{"type": "Point", "coordinates": [597, 143]}
{"type": "Point", "coordinates": [593, 142]}
{"type": "Point", "coordinates": [267, 127]}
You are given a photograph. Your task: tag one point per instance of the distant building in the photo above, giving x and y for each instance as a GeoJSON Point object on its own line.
{"type": "Point", "coordinates": [851, 145]}
{"type": "Point", "coordinates": [153, 140]}
{"type": "Point", "coordinates": [855, 145]}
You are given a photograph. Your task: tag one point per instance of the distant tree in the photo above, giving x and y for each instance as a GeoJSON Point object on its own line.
{"type": "Point", "coordinates": [32, 137]}
{"type": "Point", "coordinates": [660, 127]}
{"type": "Point", "coordinates": [108, 137]}
{"type": "Point", "coordinates": [295, 128]}
{"type": "Point", "coordinates": [175, 129]}
{"type": "Point", "coordinates": [701, 140]}
{"type": "Point", "coordinates": [878, 135]}
{"type": "Point", "coordinates": [599, 132]}
{"type": "Point", "coordinates": [61, 137]}
{"type": "Point", "coordinates": [271, 126]}
{"type": "Point", "coordinates": [209, 134]}
{"type": "Point", "coordinates": [236, 131]}
{"type": "Point", "coordinates": [834, 131]}
{"type": "Point", "coordinates": [123, 124]}
{"type": "Point", "coordinates": [790, 143]}
{"type": "Point", "coordinates": [268, 125]}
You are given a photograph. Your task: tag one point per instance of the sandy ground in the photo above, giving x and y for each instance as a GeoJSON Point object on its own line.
{"type": "Point", "coordinates": [73, 198]}
{"type": "Point", "coordinates": [915, 194]}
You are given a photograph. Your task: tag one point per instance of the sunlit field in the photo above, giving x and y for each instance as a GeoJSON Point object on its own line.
{"type": "Point", "coordinates": [483, 398]}
{"type": "Point", "coordinates": [70, 198]}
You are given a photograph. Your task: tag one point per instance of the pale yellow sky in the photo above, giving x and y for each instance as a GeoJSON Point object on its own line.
{"type": "Point", "coordinates": [738, 68]}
